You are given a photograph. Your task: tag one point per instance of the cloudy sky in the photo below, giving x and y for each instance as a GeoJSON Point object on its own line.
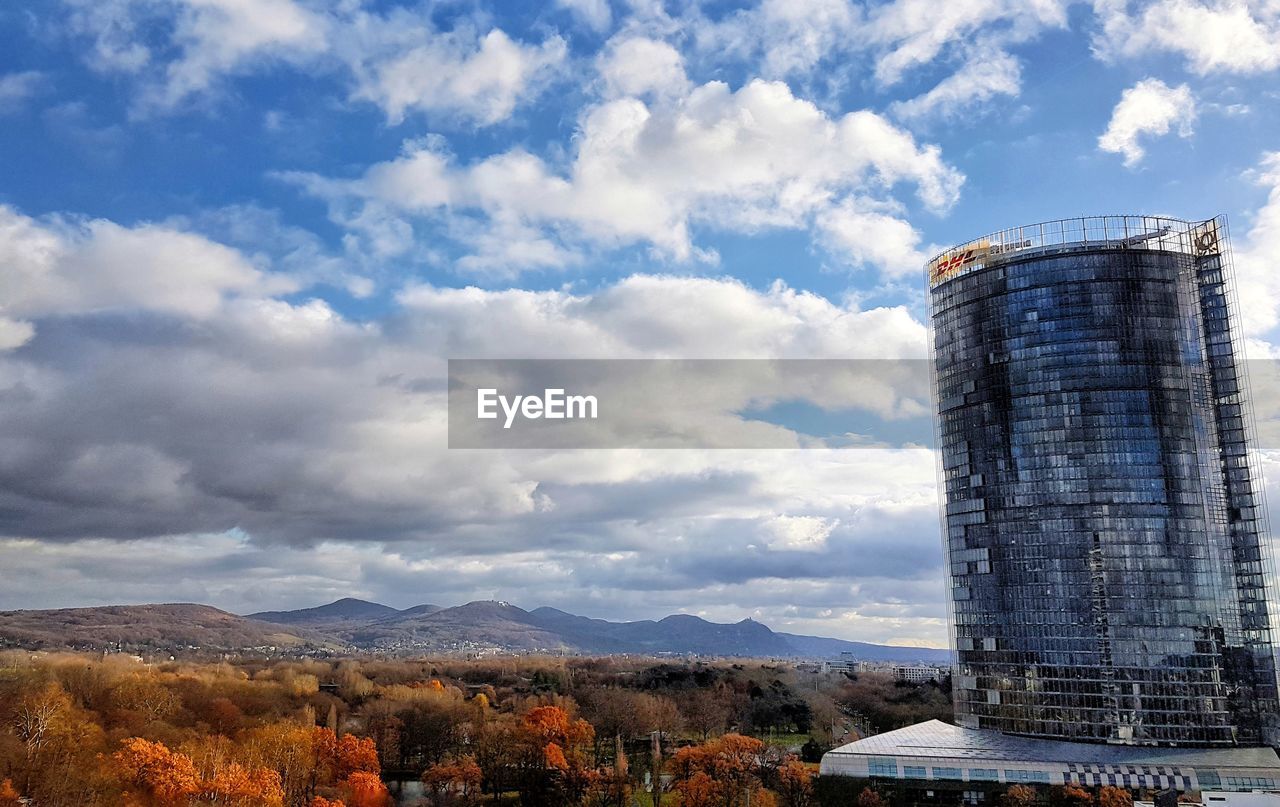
{"type": "Point", "coordinates": [240, 238]}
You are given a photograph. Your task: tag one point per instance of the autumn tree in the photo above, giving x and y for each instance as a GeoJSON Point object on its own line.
{"type": "Point", "coordinates": [1111, 796]}
{"type": "Point", "coordinates": [235, 785]}
{"type": "Point", "coordinates": [730, 766]}
{"type": "Point", "coordinates": [155, 776]}
{"type": "Point", "coordinates": [869, 798]}
{"type": "Point", "coordinates": [795, 784]}
{"type": "Point", "coordinates": [454, 782]}
{"type": "Point", "coordinates": [553, 757]}
{"type": "Point", "coordinates": [364, 789]}
{"type": "Point", "coordinates": [1018, 796]}
{"type": "Point", "coordinates": [1071, 796]}
{"type": "Point", "coordinates": [9, 796]}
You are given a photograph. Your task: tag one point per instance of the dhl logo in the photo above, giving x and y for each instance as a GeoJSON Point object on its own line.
{"type": "Point", "coordinates": [950, 263]}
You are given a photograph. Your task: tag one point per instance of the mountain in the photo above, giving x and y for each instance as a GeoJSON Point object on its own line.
{"type": "Point", "coordinates": [350, 625]}
{"type": "Point", "coordinates": [347, 609]}
{"type": "Point", "coordinates": [173, 626]}
{"type": "Point", "coordinates": [500, 626]}
{"type": "Point", "coordinates": [819, 647]}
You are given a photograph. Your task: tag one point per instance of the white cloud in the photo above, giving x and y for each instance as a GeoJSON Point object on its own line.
{"type": "Point", "coordinates": [1150, 107]}
{"type": "Point", "coordinates": [403, 65]}
{"type": "Point", "coordinates": [639, 67]}
{"type": "Point", "coordinates": [595, 13]}
{"type": "Point", "coordinates": [787, 36]}
{"type": "Point", "coordinates": [66, 267]}
{"type": "Point", "coordinates": [1229, 36]}
{"type": "Point", "coordinates": [208, 40]}
{"type": "Point", "coordinates": [225, 411]}
{"type": "Point", "coordinates": [1256, 256]}
{"type": "Point", "coordinates": [17, 88]}
{"type": "Point", "coordinates": [911, 33]}
{"type": "Point", "coordinates": [985, 76]}
{"type": "Point", "coordinates": [866, 234]}
{"type": "Point", "coordinates": [398, 61]}
{"type": "Point", "coordinates": [744, 160]}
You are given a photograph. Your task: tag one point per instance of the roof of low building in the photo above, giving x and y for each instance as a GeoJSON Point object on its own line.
{"type": "Point", "coordinates": [934, 739]}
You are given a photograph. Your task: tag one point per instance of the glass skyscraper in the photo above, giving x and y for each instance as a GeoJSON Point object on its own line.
{"type": "Point", "coordinates": [1103, 524]}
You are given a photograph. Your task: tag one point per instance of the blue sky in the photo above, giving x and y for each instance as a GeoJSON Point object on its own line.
{"type": "Point", "coordinates": [238, 239]}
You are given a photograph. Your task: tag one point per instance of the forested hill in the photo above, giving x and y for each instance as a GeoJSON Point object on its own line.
{"type": "Point", "coordinates": [356, 625]}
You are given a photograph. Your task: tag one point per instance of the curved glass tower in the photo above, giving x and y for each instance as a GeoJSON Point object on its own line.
{"type": "Point", "coordinates": [1103, 525]}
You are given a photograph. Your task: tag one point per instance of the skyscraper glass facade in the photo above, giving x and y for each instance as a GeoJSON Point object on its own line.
{"type": "Point", "coordinates": [1103, 525]}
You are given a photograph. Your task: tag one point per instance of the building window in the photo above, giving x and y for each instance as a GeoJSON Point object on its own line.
{"type": "Point", "coordinates": [1041, 777]}
{"type": "Point", "coordinates": [946, 773]}
{"type": "Point", "coordinates": [1208, 778]}
{"type": "Point", "coordinates": [883, 766]}
{"type": "Point", "coordinates": [984, 775]}
{"type": "Point", "coordinates": [913, 772]}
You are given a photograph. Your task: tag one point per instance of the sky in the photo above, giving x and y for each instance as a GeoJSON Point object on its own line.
{"type": "Point", "coordinates": [239, 239]}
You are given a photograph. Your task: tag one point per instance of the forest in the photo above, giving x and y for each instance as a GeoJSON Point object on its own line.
{"type": "Point", "coordinates": [84, 730]}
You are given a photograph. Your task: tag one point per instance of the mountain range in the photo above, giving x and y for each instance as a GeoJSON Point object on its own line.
{"type": "Point", "coordinates": [352, 625]}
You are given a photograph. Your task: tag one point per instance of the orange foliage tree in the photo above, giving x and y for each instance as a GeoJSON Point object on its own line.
{"type": "Point", "coordinates": [554, 757]}
{"type": "Point", "coordinates": [236, 785]}
{"type": "Point", "coordinates": [731, 771]}
{"type": "Point", "coordinates": [454, 781]}
{"type": "Point", "coordinates": [795, 784]}
{"type": "Point", "coordinates": [364, 789]}
{"type": "Point", "coordinates": [1111, 796]}
{"type": "Point", "coordinates": [1073, 796]}
{"type": "Point", "coordinates": [155, 776]}
{"type": "Point", "coordinates": [9, 796]}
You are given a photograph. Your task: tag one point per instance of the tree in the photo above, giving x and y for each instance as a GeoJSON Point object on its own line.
{"type": "Point", "coordinates": [234, 784]}
{"type": "Point", "coordinates": [40, 717]}
{"type": "Point", "coordinates": [364, 789]}
{"type": "Point", "coordinates": [356, 755]}
{"type": "Point", "coordinates": [1018, 796]}
{"type": "Point", "coordinates": [9, 796]}
{"type": "Point", "coordinates": [731, 765]}
{"type": "Point", "coordinates": [553, 748]}
{"type": "Point", "coordinates": [156, 776]}
{"type": "Point", "coordinates": [869, 798]}
{"type": "Point", "coordinates": [321, 801]}
{"type": "Point", "coordinates": [1072, 796]}
{"type": "Point", "coordinates": [705, 712]}
{"type": "Point", "coordinates": [1111, 796]}
{"type": "Point", "coordinates": [454, 782]}
{"type": "Point", "coordinates": [795, 784]}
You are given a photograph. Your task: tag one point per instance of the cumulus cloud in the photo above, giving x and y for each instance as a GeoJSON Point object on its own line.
{"type": "Point", "coordinates": [981, 79]}
{"type": "Point", "coordinates": [639, 66]}
{"type": "Point", "coordinates": [69, 266]}
{"type": "Point", "coordinates": [1150, 107]}
{"type": "Point", "coordinates": [595, 13]}
{"type": "Point", "coordinates": [238, 430]}
{"type": "Point", "coordinates": [648, 173]}
{"type": "Point", "coordinates": [208, 40]}
{"type": "Point", "coordinates": [1255, 257]}
{"type": "Point", "coordinates": [402, 64]}
{"type": "Point", "coordinates": [786, 36]}
{"type": "Point", "coordinates": [1217, 36]}
{"type": "Point", "coordinates": [911, 33]}
{"type": "Point", "coordinates": [397, 60]}
{"type": "Point", "coordinates": [792, 40]}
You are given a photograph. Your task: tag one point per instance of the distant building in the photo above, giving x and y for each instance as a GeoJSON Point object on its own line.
{"type": "Point", "coordinates": [918, 674]}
